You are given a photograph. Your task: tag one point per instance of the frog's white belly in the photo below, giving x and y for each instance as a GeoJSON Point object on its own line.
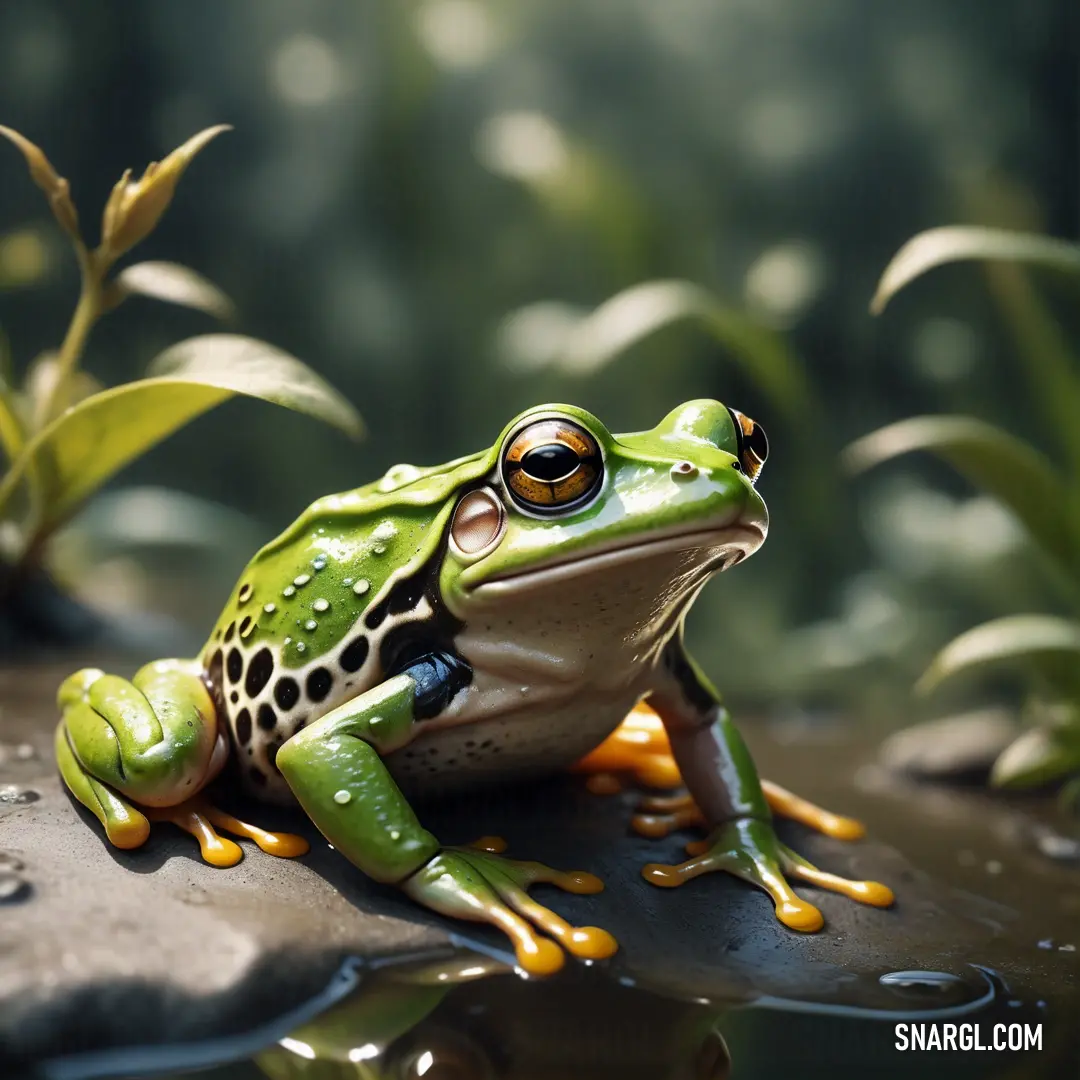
{"type": "Point", "coordinates": [506, 746]}
{"type": "Point", "coordinates": [553, 674]}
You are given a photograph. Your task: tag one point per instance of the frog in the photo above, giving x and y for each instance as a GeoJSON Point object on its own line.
{"type": "Point", "coordinates": [494, 619]}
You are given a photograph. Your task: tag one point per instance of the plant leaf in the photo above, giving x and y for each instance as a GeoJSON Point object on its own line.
{"type": "Point", "coordinates": [134, 208]}
{"type": "Point", "coordinates": [100, 435]}
{"type": "Point", "coordinates": [953, 243]}
{"type": "Point", "coordinates": [641, 310]}
{"type": "Point", "coordinates": [174, 284]}
{"type": "Point", "coordinates": [999, 463]}
{"type": "Point", "coordinates": [139, 518]}
{"type": "Point", "coordinates": [11, 429]}
{"type": "Point", "coordinates": [43, 174]}
{"type": "Point", "coordinates": [1036, 758]}
{"type": "Point", "coordinates": [1000, 641]}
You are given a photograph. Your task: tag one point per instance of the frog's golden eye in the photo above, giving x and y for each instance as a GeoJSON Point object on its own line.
{"type": "Point", "coordinates": [552, 465]}
{"type": "Point", "coordinates": [753, 444]}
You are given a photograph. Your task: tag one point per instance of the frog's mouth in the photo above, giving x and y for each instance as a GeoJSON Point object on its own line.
{"type": "Point", "coordinates": [721, 548]}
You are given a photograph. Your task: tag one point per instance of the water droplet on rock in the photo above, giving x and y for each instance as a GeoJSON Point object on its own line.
{"type": "Point", "coordinates": [12, 887]}
{"type": "Point", "coordinates": [17, 796]}
{"type": "Point", "coordinates": [22, 752]}
{"type": "Point", "coordinates": [930, 982]}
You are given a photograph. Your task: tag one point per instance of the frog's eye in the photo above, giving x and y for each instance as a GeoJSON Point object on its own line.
{"type": "Point", "coordinates": [552, 465]}
{"type": "Point", "coordinates": [753, 444]}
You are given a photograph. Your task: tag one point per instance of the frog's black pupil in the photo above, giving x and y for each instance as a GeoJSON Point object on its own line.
{"type": "Point", "coordinates": [550, 463]}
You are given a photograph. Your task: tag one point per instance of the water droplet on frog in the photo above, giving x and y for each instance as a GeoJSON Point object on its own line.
{"type": "Point", "coordinates": [311, 624]}
{"type": "Point", "coordinates": [12, 887]}
{"type": "Point", "coordinates": [361, 586]}
{"type": "Point", "coordinates": [318, 564]}
{"type": "Point", "coordinates": [300, 646]}
{"type": "Point", "coordinates": [937, 982]}
{"type": "Point", "coordinates": [269, 608]}
{"type": "Point", "coordinates": [17, 796]}
{"type": "Point", "coordinates": [346, 581]}
{"type": "Point", "coordinates": [342, 797]}
{"type": "Point", "coordinates": [301, 580]}
{"type": "Point", "coordinates": [288, 591]}
{"type": "Point", "coordinates": [321, 605]}
{"type": "Point", "coordinates": [379, 549]}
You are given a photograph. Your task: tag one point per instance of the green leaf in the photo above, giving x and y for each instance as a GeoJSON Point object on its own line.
{"type": "Point", "coordinates": [142, 518]}
{"type": "Point", "coordinates": [953, 243]}
{"type": "Point", "coordinates": [640, 311]}
{"type": "Point", "coordinates": [11, 429]}
{"type": "Point", "coordinates": [999, 463]}
{"type": "Point", "coordinates": [1035, 759]}
{"type": "Point", "coordinates": [103, 433]}
{"type": "Point", "coordinates": [173, 284]}
{"type": "Point", "coordinates": [1000, 641]}
{"type": "Point", "coordinates": [1045, 356]}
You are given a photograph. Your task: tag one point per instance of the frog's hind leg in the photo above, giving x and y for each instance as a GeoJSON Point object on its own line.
{"type": "Point", "coordinates": [659, 817]}
{"type": "Point", "coordinates": [141, 751]}
{"type": "Point", "coordinates": [640, 745]}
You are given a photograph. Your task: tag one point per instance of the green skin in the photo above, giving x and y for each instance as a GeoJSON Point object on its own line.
{"type": "Point", "coordinates": [565, 620]}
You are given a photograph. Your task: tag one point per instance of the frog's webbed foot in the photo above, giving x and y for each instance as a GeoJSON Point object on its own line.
{"type": "Point", "coordinates": [658, 817]}
{"type": "Point", "coordinates": [198, 817]}
{"type": "Point", "coordinates": [748, 849]}
{"type": "Point", "coordinates": [474, 882]}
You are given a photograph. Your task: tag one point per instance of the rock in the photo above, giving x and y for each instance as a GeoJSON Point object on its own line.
{"type": "Point", "coordinates": [954, 748]}
{"type": "Point", "coordinates": [106, 950]}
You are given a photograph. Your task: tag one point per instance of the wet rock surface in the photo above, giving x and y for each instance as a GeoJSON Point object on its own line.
{"type": "Point", "coordinates": [102, 949]}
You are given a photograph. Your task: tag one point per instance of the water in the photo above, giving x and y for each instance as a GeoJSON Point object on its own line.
{"type": "Point", "coordinates": [466, 1016]}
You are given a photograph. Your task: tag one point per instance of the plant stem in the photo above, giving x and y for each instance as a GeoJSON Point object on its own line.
{"type": "Point", "coordinates": [87, 312]}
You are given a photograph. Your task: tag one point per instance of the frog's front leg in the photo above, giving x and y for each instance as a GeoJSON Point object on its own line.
{"type": "Point", "coordinates": [335, 769]}
{"type": "Point", "coordinates": [720, 775]}
{"type": "Point", "coordinates": [142, 750]}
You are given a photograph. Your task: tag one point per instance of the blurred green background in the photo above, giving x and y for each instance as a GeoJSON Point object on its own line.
{"type": "Point", "coordinates": [423, 200]}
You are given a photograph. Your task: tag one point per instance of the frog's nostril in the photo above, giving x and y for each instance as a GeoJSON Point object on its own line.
{"type": "Point", "coordinates": [683, 470]}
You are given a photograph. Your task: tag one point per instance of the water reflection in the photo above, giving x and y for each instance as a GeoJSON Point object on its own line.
{"type": "Point", "coordinates": [469, 1017]}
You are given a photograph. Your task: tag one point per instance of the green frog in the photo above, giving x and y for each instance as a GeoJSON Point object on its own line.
{"type": "Point", "coordinates": [487, 620]}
